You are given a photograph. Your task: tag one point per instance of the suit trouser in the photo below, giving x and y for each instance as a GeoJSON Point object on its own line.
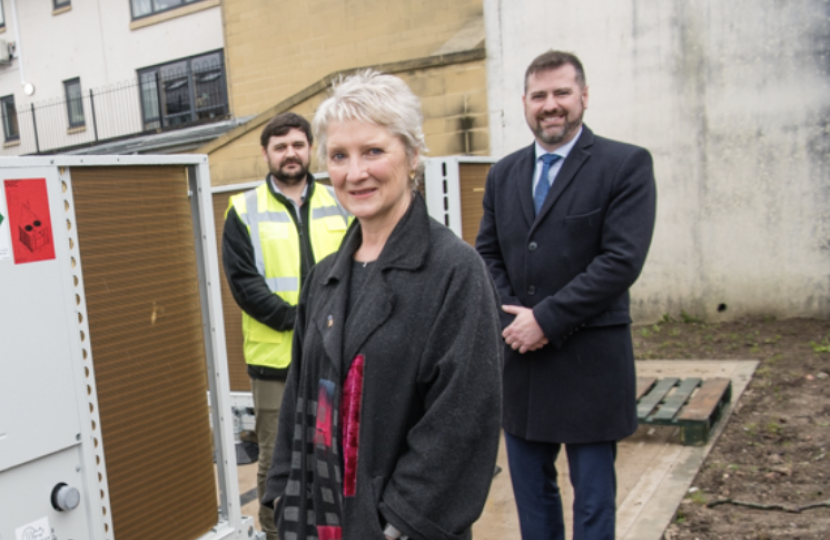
{"type": "Point", "coordinates": [533, 473]}
{"type": "Point", "coordinates": [267, 401]}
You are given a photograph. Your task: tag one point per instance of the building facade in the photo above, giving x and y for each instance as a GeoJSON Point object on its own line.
{"type": "Point", "coordinates": [80, 72]}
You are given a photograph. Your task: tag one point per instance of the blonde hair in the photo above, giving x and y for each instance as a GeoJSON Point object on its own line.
{"type": "Point", "coordinates": [375, 98]}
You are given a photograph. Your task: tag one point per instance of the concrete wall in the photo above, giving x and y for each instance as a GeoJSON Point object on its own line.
{"type": "Point", "coordinates": [733, 100]}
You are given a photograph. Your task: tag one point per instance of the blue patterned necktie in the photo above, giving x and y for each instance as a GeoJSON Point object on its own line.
{"type": "Point", "coordinates": [543, 186]}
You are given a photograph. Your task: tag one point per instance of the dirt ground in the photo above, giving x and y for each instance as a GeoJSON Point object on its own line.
{"type": "Point", "coordinates": [772, 459]}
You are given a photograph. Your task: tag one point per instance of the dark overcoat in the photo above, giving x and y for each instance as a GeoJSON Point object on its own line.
{"type": "Point", "coordinates": [573, 265]}
{"type": "Point", "coordinates": [427, 329]}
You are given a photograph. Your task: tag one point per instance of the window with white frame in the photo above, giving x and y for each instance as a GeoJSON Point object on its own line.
{"type": "Point", "coordinates": [8, 111]}
{"type": "Point", "coordinates": [74, 102]}
{"type": "Point", "coordinates": [145, 8]}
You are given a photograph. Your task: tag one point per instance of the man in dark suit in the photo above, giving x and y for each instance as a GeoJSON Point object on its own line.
{"type": "Point", "coordinates": [567, 224]}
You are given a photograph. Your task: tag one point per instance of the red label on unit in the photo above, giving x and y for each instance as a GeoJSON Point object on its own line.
{"type": "Point", "coordinates": [30, 222]}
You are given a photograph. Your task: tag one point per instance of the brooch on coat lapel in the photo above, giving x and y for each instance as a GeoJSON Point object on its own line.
{"type": "Point", "coordinates": [329, 321]}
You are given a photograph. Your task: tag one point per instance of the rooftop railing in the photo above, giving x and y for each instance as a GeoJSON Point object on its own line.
{"type": "Point", "coordinates": [154, 103]}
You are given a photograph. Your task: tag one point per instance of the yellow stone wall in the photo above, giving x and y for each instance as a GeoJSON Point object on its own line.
{"type": "Point", "coordinates": [454, 102]}
{"type": "Point", "coordinates": [240, 160]}
{"type": "Point", "coordinates": [276, 48]}
{"type": "Point", "coordinates": [279, 56]}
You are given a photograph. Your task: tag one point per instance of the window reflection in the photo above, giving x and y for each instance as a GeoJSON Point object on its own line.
{"type": "Point", "coordinates": [184, 91]}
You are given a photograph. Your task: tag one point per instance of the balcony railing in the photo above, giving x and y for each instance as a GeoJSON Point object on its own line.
{"type": "Point", "coordinates": [156, 102]}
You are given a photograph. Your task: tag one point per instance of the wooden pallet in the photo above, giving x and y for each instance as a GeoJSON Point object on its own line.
{"type": "Point", "coordinates": [695, 405]}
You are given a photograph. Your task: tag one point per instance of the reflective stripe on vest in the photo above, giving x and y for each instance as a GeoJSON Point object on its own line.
{"type": "Point", "coordinates": [324, 211]}
{"type": "Point", "coordinates": [283, 284]}
{"type": "Point", "coordinates": [276, 245]}
{"type": "Point", "coordinates": [253, 219]}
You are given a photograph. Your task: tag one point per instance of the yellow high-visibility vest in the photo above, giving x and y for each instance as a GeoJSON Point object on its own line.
{"type": "Point", "coordinates": [276, 244]}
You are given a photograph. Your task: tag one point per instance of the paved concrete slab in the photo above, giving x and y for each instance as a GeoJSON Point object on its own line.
{"type": "Point", "coordinates": [247, 489]}
{"type": "Point", "coordinates": [654, 470]}
{"type": "Point", "coordinates": [660, 467]}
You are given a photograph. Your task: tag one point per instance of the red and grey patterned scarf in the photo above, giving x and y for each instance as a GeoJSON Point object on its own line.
{"type": "Point", "coordinates": [312, 507]}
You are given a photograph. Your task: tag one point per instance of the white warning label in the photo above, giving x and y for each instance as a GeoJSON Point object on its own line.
{"type": "Point", "coordinates": [36, 530]}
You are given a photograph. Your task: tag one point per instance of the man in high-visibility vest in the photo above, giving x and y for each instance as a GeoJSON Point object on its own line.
{"type": "Point", "coordinates": [273, 235]}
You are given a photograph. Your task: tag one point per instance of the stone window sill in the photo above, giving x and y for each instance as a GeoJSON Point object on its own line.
{"type": "Point", "coordinates": [173, 14]}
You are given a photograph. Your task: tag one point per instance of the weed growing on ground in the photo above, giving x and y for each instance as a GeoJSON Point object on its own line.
{"type": "Point", "coordinates": [774, 429]}
{"type": "Point", "coordinates": [698, 497]}
{"type": "Point", "coordinates": [773, 340]}
{"type": "Point", "coordinates": [776, 391]}
{"type": "Point", "coordinates": [689, 319]}
{"type": "Point", "coordinates": [822, 347]}
{"type": "Point", "coordinates": [763, 371]}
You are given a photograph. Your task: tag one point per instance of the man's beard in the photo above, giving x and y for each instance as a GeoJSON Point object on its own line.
{"type": "Point", "coordinates": [290, 178]}
{"type": "Point", "coordinates": [568, 128]}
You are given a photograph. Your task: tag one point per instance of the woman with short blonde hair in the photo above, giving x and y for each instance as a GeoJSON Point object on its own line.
{"type": "Point", "coordinates": [390, 422]}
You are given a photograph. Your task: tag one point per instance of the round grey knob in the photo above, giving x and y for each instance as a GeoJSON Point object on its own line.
{"type": "Point", "coordinates": [65, 497]}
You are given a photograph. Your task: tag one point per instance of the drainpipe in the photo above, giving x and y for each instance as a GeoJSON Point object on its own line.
{"type": "Point", "coordinates": [28, 88]}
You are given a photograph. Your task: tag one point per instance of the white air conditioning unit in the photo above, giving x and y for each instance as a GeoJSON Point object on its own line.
{"type": "Point", "coordinates": [117, 423]}
{"type": "Point", "coordinates": [5, 56]}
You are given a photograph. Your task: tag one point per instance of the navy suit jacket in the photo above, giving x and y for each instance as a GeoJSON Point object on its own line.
{"type": "Point", "coordinates": [573, 265]}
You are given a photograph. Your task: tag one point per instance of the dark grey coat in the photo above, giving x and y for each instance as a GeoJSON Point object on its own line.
{"type": "Point", "coordinates": [573, 264]}
{"type": "Point", "coordinates": [429, 428]}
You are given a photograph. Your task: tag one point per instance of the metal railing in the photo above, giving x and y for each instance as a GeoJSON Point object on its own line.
{"type": "Point", "coordinates": [117, 112]}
